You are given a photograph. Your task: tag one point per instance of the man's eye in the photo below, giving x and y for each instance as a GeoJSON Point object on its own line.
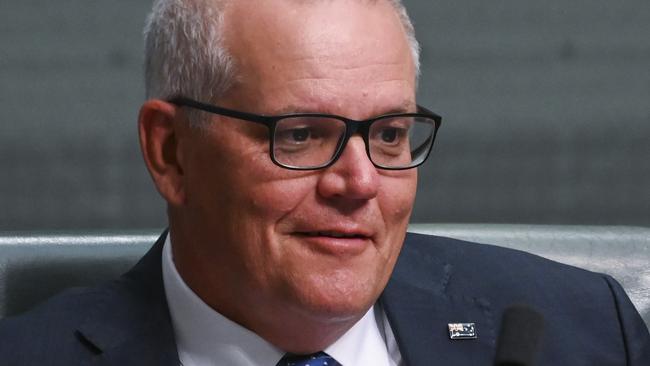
{"type": "Point", "coordinates": [299, 134]}
{"type": "Point", "coordinates": [295, 135]}
{"type": "Point", "coordinates": [388, 135]}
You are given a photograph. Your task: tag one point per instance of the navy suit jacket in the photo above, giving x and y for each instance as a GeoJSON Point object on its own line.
{"type": "Point", "coordinates": [436, 281]}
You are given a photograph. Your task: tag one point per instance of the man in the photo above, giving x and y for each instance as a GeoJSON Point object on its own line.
{"type": "Point", "coordinates": [284, 136]}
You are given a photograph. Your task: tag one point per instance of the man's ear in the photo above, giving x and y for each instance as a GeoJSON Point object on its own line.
{"type": "Point", "coordinates": [159, 131]}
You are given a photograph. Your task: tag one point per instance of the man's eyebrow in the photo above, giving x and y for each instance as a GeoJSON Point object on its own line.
{"type": "Point", "coordinates": [295, 109]}
{"type": "Point", "coordinates": [406, 106]}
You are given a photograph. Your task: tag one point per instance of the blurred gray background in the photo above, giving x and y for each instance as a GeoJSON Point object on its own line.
{"type": "Point", "coordinates": [546, 108]}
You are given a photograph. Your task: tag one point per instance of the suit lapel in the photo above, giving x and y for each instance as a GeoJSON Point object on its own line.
{"type": "Point", "coordinates": [131, 323]}
{"type": "Point", "coordinates": [420, 303]}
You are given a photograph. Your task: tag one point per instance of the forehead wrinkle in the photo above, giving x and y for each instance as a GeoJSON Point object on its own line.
{"type": "Point", "coordinates": [377, 74]}
{"type": "Point", "coordinates": [336, 56]}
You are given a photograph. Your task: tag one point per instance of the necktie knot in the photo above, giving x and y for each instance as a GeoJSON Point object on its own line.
{"type": "Point", "coordinates": [315, 359]}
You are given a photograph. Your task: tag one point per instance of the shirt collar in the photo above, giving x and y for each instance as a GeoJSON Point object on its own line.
{"type": "Point", "coordinates": [204, 337]}
{"type": "Point", "coordinates": [362, 344]}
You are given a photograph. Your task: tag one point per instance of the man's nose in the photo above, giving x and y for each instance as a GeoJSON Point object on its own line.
{"type": "Point", "coordinates": [352, 176]}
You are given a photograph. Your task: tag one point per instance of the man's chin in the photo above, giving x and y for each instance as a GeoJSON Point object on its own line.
{"type": "Point", "coordinates": [336, 312]}
{"type": "Point", "coordinates": [336, 305]}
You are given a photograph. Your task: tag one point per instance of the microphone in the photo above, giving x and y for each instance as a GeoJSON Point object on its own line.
{"type": "Point", "coordinates": [520, 336]}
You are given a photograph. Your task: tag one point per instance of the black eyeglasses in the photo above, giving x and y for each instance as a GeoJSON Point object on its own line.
{"type": "Point", "coordinates": [309, 141]}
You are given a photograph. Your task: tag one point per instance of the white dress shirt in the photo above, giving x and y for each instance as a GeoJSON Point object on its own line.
{"type": "Point", "coordinates": [206, 338]}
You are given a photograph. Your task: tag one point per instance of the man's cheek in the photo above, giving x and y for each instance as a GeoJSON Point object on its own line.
{"type": "Point", "coordinates": [279, 197]}
{"type": "Point", "coordinates": [396, 206]}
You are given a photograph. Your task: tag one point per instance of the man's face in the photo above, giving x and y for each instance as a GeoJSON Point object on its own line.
{"type": "Point", "coordinates": [317, 244]}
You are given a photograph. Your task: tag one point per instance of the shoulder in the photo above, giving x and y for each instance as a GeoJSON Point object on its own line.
{"type": "Point", "coordinates": [74, 325]}
{"type": "Point", "coordinates": [493, 271]}
{"type": "Point", "coordinates": [490, 263]}
{"type": "Point", "coordinates": [50, 328]}
{"type": "Point", "coordinates": [575, 303]}
{"type": "Point", "coordinates": [126, 316]}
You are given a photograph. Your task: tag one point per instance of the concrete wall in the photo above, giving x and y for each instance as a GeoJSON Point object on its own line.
{"type": "Point", "coordinates": [545, 104]}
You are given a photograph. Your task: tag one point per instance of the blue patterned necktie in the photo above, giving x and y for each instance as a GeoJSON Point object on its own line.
{"type": "Point", "coordinates": [315, 359]}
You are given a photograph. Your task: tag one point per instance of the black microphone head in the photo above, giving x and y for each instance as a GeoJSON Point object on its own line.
{"type": "Point", "coordinates": [520, 336]}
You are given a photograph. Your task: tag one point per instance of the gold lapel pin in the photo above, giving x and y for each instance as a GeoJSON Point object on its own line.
{"type": "Point", "coordinates": [462, 331]}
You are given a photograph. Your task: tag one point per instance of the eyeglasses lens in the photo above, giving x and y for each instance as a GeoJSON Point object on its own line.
{"type": "Point", "coordinates": [400, 142]}
{"type": "Point", "coordinates": [309, 142]}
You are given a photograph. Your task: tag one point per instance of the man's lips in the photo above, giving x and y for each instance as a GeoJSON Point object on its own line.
{"type": "Point", "coordinates": [334, 234]}
{"type": "Point", "coordinates": [336, 242]}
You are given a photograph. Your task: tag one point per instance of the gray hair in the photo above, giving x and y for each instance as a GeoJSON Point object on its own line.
{"type": "Point", "coordinates": [184, 52]}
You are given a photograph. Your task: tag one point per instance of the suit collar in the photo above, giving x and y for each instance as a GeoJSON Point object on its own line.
{"type": "Point", "coordinates": [421, 299]}
{"type": "Point", "coordinates": [130, 324]}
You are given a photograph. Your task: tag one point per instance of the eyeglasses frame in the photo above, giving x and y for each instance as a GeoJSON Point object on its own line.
{"type": "Point", "coordinates": [351, 128]}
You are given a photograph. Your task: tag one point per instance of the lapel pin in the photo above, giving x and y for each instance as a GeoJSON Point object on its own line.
{"type": "Point", "coordinates": [462, 331]}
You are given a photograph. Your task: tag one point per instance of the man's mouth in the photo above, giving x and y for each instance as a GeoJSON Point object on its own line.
{"type": "Point", "coordinates": [334, 234]}
{"type": "Point", "coordinates": [336, 242]}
